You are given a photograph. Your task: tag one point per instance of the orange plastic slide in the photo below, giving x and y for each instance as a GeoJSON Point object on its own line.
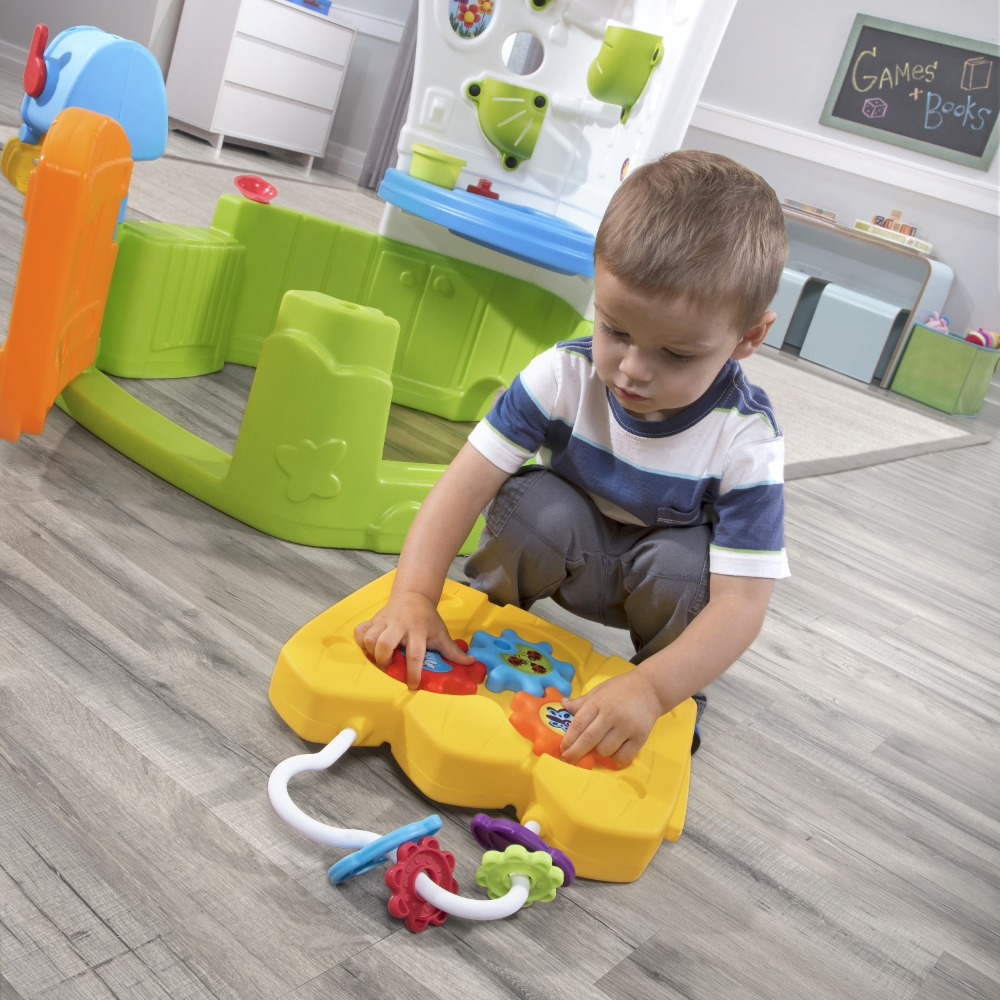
{"type": "Point", "coordinates": [71, 208]}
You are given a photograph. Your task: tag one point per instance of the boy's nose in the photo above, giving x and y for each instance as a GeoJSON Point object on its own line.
{"type": "Point", "coordinates": [633, 368]}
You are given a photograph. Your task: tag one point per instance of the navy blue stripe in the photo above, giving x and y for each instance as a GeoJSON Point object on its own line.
{"type": "Point", "coordinates": [752, 518]}
{"type": "Point", "coordinates": [652, 497]}
{"type": "Point", "coordinates": [516, 416]}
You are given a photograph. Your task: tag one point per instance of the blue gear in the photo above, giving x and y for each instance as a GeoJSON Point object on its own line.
{"type": "Point", "coordinates": [515, 664]}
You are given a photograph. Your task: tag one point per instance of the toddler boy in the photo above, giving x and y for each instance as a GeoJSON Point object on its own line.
{"type": "Point", "coordinates": [658, 502]}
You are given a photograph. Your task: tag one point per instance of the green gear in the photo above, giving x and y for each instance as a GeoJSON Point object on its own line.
{"type": "Point", "coordinates": [495, 871]}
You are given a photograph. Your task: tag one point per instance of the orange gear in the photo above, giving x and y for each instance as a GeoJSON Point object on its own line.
{"type": "Point", "coordinates": [544, 721]}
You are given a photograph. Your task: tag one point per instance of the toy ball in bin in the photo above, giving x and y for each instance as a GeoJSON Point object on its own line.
{"type": "Point", "coordinates": [984, 338]}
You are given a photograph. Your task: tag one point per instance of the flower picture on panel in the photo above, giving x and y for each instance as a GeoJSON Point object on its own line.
{"type": "Point", "coordinates": [470, 19]}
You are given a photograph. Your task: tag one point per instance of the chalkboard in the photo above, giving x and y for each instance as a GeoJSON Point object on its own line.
{"type": "Point", "coordinates": [926, 90]}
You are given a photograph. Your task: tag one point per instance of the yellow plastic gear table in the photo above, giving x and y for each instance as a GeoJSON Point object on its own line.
{"type": "Point", "coordinates": [463, 749]}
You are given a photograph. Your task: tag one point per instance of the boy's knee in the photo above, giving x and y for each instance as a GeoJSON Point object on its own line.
{"type": "Point", "coordinates": [532, 539]}
{"type": "Point", "coordinates": [667, 580]}
{"type": "Point", "coordinates": [539, 509]}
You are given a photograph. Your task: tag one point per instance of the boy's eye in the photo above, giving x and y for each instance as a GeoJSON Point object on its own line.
{"type": "Point", "coordinates": [611, 332]}
{"type": "Point", "coordinates": [676, 356]}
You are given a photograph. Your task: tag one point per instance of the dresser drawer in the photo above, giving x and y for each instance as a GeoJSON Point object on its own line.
{"type": "Point", "coordinates": [263, 118]}
{"type": "Point", "coordinates": [253, 63]}
{"type": "Point", "coordinates": [295, 30]}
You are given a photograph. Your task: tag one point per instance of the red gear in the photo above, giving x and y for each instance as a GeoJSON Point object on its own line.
{"type": "Point", "coordinates": [424, 856]}
{"type": "Point", "coordinates": [463, 678]}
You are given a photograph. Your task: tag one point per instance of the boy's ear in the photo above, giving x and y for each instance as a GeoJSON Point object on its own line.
{"type": "Point", "coordinates": [754, 337]}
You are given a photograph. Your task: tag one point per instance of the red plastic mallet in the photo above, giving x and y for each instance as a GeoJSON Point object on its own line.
{"type": "Point", "coordinates": [34, 67]}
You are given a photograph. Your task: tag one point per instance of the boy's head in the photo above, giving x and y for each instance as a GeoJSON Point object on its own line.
{"type": "Point", "coordinates": [687, 259]}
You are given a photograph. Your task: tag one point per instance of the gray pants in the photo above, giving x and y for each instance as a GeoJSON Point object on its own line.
{"type": "Point", "coordinates": [545, 537]}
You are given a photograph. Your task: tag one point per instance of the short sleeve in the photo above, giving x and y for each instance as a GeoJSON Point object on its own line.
{"type": "Point", "coordinates": [749, 538]}
{"type": "Point", "coordinates": [516, 426]}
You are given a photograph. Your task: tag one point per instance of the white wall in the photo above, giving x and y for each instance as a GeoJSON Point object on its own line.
{"type": "Point", "coordinates": [360, 99]}
{"type": "Point", "coordinates": [364, 82]}
{"type": "Point", "coordinates": [761, 105]}
{"type": "Point", "coordinates": [152, 23]}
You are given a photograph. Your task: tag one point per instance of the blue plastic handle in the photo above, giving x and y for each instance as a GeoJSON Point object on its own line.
{"type": "Point", "coordinates": [375, 853]}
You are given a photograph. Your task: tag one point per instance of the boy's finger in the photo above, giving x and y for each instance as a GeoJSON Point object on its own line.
{"type": "Point", "coordinates": [372, 636]}
{"type": "Point", "coordinates": [573, 705]}
{"type": "Point", "coordinates": [360, 631]}
{"type": "Point", "coordinates": [584, 716]}
{"type": "Point", "coordinates": [626, 752]}
{"type": "Point", "coordinates": [416, 647]}
{"type": "Point", "coordinates": [451, 650]}
{"type": "Point", "coordinates": [583, 744]}
{"type": "Point", "coordinates": [612, 741]}
{"type": "Point", "coordinates": [384, 645]}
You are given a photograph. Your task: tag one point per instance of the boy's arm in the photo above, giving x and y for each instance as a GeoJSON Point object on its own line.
{"type": "Point", "coordinates": [441, 526]}
{"type": "Point", "coordinates": [615, 718]}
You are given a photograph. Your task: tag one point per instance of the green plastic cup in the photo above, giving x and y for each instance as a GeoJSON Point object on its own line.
{"type": "Point", "coordinates": [431, 165]}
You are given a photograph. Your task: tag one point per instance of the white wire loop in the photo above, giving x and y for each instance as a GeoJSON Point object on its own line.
{"type": "Point", "coordinates": [332, 836]}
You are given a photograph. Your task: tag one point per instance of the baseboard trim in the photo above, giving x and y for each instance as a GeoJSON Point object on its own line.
{"type": "Point", "coordinates": [923, 178]}
{"type": "Point", "coordinates": [343, 160]}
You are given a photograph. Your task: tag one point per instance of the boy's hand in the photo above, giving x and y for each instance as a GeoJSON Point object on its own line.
{"type": "Point", "coordinates": [614, 719]}
{"type": "Point", "coordinates": [413, 621]}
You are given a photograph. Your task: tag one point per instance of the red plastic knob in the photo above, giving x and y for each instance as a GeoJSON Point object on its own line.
{"type": "Point", "coordinates": [34, 67]}
{"type": "Point", "coordinates": [412, 859]}
{"type": "Point", "coordinates": [484, 187]}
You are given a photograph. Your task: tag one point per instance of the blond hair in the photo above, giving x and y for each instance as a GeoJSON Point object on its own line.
{"type": "Point", "coordinates": [697, 226]}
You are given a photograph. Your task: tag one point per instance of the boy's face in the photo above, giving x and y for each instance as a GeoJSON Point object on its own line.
{"type": "Point", "coordinates": [658, 355]}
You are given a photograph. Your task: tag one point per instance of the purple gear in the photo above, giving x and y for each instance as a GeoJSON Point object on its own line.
{"type": "Point", "coordinates": [498, 834]}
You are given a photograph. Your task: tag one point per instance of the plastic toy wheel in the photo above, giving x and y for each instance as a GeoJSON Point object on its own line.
{"type": "Point", "coordinates": [376, 853]}
{"type": "Point", "coordinates": [424, 856]}
{"type": "Point", "coordinates": [495, 871]}
{"type": "Point", "coordinates": [499, 833]}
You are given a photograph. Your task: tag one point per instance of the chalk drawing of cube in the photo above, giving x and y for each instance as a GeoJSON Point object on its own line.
{"type": "Point", "coordinates": [874, 107]}
{"type": "Point", "coordinates": [976, 73]}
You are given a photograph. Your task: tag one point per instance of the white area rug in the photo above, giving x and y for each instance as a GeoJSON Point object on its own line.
{"type": "Point", "coordinates": [831, 425]}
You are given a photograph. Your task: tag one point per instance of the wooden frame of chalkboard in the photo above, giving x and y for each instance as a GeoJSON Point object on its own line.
{"type": "Point", "coordinates": [956, 73]}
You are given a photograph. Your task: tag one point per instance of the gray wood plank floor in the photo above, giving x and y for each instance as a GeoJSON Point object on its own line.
{"type": "Point", "coordinates": [843, 838]}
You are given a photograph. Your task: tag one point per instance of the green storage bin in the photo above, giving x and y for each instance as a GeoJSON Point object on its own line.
{"type": "Point", "coordinates": [946, 373]}
{"type": "Point", "coordinates": [171, 301]}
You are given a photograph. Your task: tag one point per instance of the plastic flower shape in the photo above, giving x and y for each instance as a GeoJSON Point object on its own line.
{"type": "Point", "coordinates": [486, 7]}
{"type": "Point", "coordinates": [412, 859]}
{"type": "Point", "coordinates": [544, 721]}
{"type": "Point", "coordinates": [495, 872]}
{"type": "Point", "coordinates": [514, 664]}
{"type": "Point", "coordinates": [439, 675]}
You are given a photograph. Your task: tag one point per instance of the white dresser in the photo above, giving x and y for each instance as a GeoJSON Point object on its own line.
{"type": "Point", "coordinates": [263, 71]}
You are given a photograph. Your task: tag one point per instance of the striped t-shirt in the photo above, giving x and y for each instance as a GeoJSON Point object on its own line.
{"type": "Point", "coordinates": [719, 462]}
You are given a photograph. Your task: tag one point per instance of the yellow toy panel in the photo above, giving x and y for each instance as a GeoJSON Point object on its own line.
{"type": "Point", "coordinates": [465, 750]}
